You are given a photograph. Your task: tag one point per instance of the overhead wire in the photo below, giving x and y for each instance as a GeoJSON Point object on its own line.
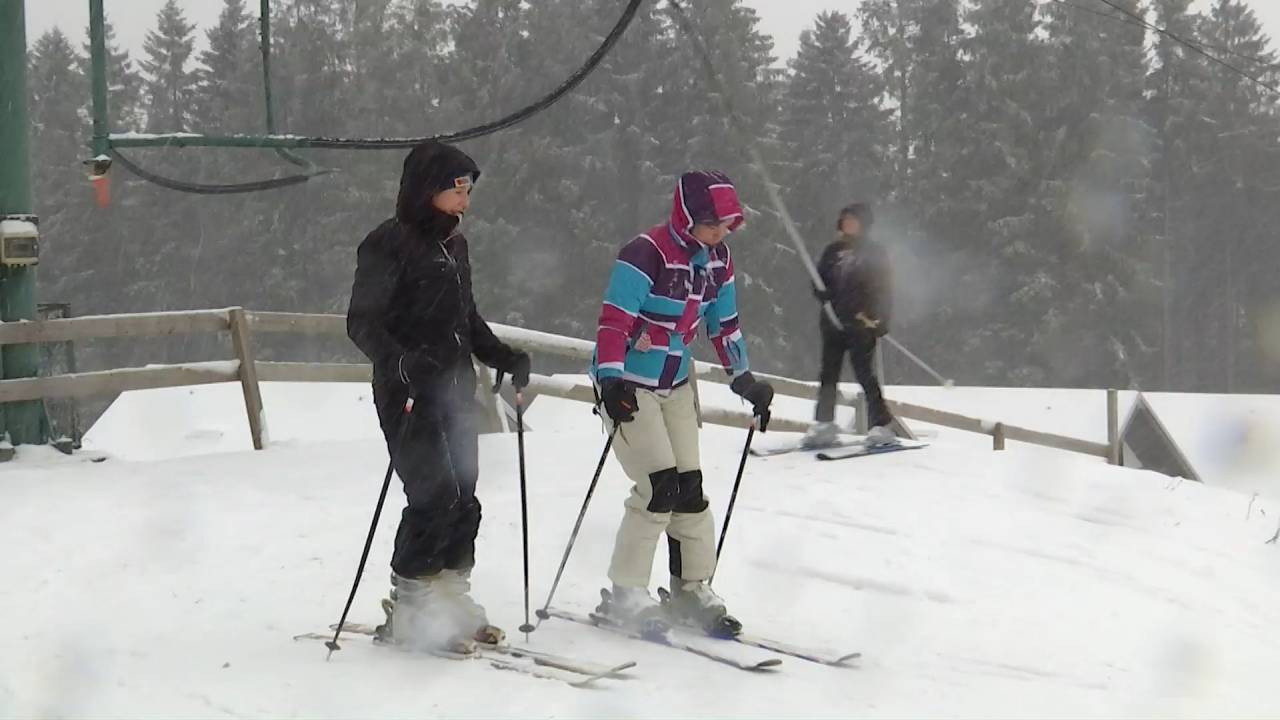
{"type": "Point", "coordinates": [1190, 45]}
{"type": "Point", "coordinates": [333, 143]}
{"type": "Point", "coordinates": [1268, 64]}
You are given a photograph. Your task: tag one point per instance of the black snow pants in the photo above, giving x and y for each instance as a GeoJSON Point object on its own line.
{"type": "Point", "coordinates": [861, 347]}
{"type": "Point", "coordinates": [436, 459]}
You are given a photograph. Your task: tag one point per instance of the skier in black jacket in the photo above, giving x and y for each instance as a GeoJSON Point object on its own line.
{"type": "Point", "coordinates": [412, 313]}
{"type": "Point", "coordinates": [858, 279]}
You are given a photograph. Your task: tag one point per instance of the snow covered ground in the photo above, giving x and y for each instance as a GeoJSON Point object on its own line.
{"type": "Point", "coordinates": [169, 579]}
{"type": "Point", "coordinates": [1228, 439]}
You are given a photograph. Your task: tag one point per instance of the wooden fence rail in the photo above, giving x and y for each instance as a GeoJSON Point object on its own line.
{"type": "Point", "coordinates": [241, 325]}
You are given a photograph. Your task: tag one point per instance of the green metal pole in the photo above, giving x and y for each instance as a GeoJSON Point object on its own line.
{"type": "Point", "coordinates": [264, 23]}
{"type": "Point", "coordinates": [22, 420]}
{"type": "Point", "coordinates": [98, 65]}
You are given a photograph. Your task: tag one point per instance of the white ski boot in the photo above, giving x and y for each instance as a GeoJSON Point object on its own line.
{"type": "Point", "coordinates": [435, 613]}
{"type": "Point", "coordinates": [693, 602]}
{"type": "Point", "coordinates": [881, 436]}
{"type": "Point", "coordinates": [632, 608]}
{"type": "Point", "coordinates": [821, 435]}
{"type": "Point", "coordinates": [469, 615]}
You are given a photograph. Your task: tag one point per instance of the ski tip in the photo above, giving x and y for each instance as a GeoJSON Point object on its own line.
{"type": "Point", "coordinates": [767, 664]}
{"type": "Point", "coordinates": [846, 658]}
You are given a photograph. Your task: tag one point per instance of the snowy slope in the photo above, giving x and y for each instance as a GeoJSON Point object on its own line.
{"type": "Point", "coordinates": [1016, 584]}
{"type": "Point", "coordinates": [1226, 438]}
{"type": "Point", "coordinates": [205, 419]}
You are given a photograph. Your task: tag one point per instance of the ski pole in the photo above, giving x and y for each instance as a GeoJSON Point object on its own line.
{"type": "Point", "coordinates": [733, 497]}
{"type": "Point", "coordinates": [373, 527]}
{"type": "Point", "coordinates": [526, 628]}
{"type": "Point", "coordinates": [543, 614]}
{"type": "Point", "coordinates": [946, 382]}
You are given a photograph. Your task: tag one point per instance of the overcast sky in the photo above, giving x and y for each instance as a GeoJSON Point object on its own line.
{"type": "Point", "coordinates": [783, 19]}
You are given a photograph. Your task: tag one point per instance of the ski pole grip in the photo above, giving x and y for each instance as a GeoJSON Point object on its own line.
{"type": "Point", "coordinates": [408, 405]}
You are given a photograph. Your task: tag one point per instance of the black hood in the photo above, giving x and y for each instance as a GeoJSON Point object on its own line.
{"type": "Point", "coordinates": [430, 168]}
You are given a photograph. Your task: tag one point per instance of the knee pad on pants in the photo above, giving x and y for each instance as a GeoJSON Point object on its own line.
{"type": "Point", "coordinates": [666, 490]}
{"type": "Point", "coordinates": [691, 499]}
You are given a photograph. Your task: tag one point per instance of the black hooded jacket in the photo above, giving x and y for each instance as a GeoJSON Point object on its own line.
{"type": "Point", "coordinates": [857, 273]}
{"type": "Point", "coordinates": [412, 289]}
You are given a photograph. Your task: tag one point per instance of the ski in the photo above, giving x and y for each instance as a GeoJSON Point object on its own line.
{"type": "Point", "coordinates": [551, 674]}
{"type": "Point", "coordinates": [811, 655]}
{"type": "Point", "coordinates": [791, 445]}
{"type": "Point", "coordinates": [863, 450]}
{"type": "Point", "coordinates": [667, 639]}
{"type": "Point", "coordinates": [544, 665]}
{"type": "Point", "coordinates": [782, 648]}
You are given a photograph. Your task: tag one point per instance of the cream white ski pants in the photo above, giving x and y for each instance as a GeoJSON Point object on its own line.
{"type": "Point", "coordinates": [659, 452]}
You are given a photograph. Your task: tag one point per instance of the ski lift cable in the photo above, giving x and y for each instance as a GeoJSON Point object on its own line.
{"type": "Point", "coordinates": [1267, 64]}
{"type": "Point", "coordinates": [214, 189]}
{"type": "Point", "coordinates": [472, 133]}
{"type": "Point", "coordinates": [1196, 48]}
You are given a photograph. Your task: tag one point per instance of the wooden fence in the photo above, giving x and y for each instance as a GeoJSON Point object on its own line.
{"type": "Point", "coordinates": [243, 325]}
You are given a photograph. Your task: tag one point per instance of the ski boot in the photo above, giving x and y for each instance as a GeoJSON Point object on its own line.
{"type": "Point", "coordinates": [881, 436]}
{"type": "Point", "coordinates": [693, 602]}
{"type": "Point", "coordinates": [633, 608]}
{"type": "Point", "coordinates": [435, 613]}
{"type": "Point", "coordinates": [469, 615]}
{"type": "Point", "coordinates": [821, 435]}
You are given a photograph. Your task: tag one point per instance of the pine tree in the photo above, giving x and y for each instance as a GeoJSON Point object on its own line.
{"type": "Point", "coordinates": [1243, 181]}
{"type": "Point", "coordinates": [57, 95]}
{"type": "Point", "coordinates": [228, 95]}
{"type": "Point", "coordinates": [169, 89]}
{"type": "Point", "coordinates": [1174, 88]}
{"type": "Point", "coordinates": [833, 131]}
{"type": "Point", "coordinates": [419, 39]}
{"type": "Point", "coordinates": [1002, 281]}
{"type": "Point", "coordinates": [1097, 178]}
{"type": "Point", "coordinates": [922, 211]}
{"type": "Point", "coordinates": [124, 84]}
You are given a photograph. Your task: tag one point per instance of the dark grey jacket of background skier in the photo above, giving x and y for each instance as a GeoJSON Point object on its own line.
{"type": "Point", "coordinates": [412, 313]}
{"type": "Point", "coordinates": [858, 279]}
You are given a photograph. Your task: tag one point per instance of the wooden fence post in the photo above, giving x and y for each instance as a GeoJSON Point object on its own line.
{"type": "Point", "coordinates": [242, 343]}
{"type": "Point", "coordinates": [1113, 427]}
{"type": "Point", "coordinates": [997, 437]}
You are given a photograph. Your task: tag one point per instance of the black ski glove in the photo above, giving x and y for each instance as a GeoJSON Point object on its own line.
{"type": "Point", "coordinates": [517, 365]}
{"type": "Point", "coordinates": [874, 327]}
{"type": "Point", "coordinates": [757, 392]}
{"type": "Point", "coordinates": [415, 366]}
{"type": "Point", "coordinates": [823, 295]}
{"type": "Point", "coordinates": [619, 399]}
